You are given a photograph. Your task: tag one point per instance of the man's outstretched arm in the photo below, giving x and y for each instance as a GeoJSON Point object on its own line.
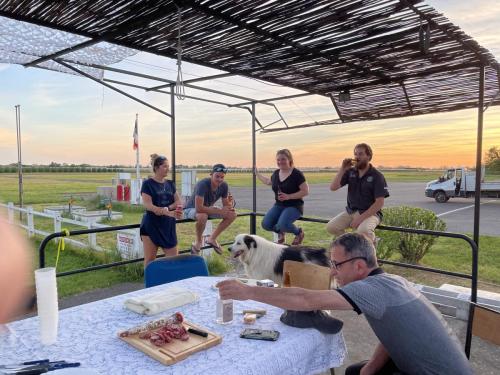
{"type": "Point", "coordinates": [297, 299]}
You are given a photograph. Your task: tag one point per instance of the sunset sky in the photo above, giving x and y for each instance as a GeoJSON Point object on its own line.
{"type": "Point", "coordinates": [74, 120]}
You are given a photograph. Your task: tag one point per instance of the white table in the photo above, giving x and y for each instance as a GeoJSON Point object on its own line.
{"type": "Point", "coordinates": [87, 334]}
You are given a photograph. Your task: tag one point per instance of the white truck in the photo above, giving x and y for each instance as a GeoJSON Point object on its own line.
{"type": "Point", "coordinates": [460, 182]}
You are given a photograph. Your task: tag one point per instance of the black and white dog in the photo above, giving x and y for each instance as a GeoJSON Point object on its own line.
{"type": "Point", "coordinates": [263, 259]}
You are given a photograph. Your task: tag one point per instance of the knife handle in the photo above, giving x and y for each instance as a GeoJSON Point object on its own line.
{"type": "Point", "coordinates": [197, 332]}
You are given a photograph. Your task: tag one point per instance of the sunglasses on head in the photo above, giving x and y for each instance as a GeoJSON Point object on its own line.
{"type": "Point", "coordinates": [220, 169]}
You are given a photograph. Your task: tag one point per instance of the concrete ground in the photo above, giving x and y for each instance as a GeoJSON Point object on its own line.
{"type": "Point", "coordinates": [359, 337]}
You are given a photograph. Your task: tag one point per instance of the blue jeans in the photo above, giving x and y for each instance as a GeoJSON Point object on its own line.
{"type": "Point", "coordinates": [281, 219]}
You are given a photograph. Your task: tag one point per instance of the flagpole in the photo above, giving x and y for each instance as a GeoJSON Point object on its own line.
{"type": "Point", "coordinates": [137, 167]}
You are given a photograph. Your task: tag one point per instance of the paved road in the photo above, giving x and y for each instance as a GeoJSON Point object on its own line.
{"type": "Point", "coordinates": [458, 213]}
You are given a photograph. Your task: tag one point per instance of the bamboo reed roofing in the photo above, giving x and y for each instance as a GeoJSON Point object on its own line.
{"type": "Point", "coordinates": [373, 48]}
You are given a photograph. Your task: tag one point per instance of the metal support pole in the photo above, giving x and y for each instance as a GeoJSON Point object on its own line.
{"type": "Point", "coordinates": [253, 218]}
{"type": "Point", "coordinates": [172, 131]}
{"type": "Point", "coordinates": [137, 161]}
{"type": "Point", "coordinates": [479, 152]}
{"type": "Point", "coordinates": [19, 158]}
{"type": "Point", "coordinates": [477, 202]}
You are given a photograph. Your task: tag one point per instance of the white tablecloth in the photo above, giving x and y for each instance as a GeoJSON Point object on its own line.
{"type": "Point", "coordinates": [87, 334]}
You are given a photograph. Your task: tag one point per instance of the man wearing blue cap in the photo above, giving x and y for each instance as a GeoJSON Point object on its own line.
{"type": "Point", "coordinates": [200, 207]}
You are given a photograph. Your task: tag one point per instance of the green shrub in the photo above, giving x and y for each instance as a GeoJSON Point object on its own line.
{"type": "Point", "coordinates": [412, 247]}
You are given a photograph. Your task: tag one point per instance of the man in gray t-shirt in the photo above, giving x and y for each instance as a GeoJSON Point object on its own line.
{"type": "Point", "coordinates": [200, 207]}
{"type": "Point", "coordinates": [410, 328]}
{"type": "Point", "coordinates": [414, 338]}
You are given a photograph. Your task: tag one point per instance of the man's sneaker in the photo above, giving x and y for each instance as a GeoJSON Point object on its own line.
{"type": "Point", "coordinates": [298, 238]}
{"type": "Point", "coordinates": [281, 238]}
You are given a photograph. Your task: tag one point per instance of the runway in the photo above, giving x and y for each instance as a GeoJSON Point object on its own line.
{"type": "Point", "coordinates": [458, 213]}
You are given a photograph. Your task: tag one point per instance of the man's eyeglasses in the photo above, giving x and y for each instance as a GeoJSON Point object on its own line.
{"type": "Point", "coordinates": [337, 265]}
{"type": "Point", "coordinates": [219, 169]}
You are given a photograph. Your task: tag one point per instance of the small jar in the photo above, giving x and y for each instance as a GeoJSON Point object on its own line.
{"type": "Point", "coordinates": [224, 311]}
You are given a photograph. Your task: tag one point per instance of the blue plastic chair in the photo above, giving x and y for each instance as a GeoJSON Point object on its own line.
{"type": "Point", "coordinates": [166, 270]}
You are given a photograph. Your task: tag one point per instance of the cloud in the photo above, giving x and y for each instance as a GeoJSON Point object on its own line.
{"type": "Point", "coordinates": [7, 138]}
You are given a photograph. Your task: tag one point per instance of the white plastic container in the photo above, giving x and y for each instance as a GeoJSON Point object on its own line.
{"type": "Point", "coordinates": [47, 305]}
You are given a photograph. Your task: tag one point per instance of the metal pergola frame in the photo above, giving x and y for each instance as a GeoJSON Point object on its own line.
{"type": "Point", "coordinates": [250, 105]}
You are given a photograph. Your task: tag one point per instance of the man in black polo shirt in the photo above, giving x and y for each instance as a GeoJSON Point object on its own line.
{"type": "Point", "coordinates": [366, 192]}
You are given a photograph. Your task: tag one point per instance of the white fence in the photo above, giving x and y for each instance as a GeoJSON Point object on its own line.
{"type": "Point", "coordinates": [128, 242]}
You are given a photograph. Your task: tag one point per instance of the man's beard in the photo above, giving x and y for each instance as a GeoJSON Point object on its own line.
{"type": "Point", "coordinates": [361, 165]}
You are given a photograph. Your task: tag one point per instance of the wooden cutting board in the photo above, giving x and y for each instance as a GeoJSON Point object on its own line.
{"type": "Point", "coordinates": [176, 350]}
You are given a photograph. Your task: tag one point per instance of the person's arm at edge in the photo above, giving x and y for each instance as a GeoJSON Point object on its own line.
{"type": "Point", "coordinates": [377, 361]}
{"type": "Point", "coordinates": [297, 299]}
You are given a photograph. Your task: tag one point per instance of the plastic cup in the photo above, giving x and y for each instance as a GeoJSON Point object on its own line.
{"type": "Point", "coordinates": [47, 304]}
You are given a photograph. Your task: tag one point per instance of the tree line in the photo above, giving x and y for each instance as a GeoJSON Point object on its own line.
{"type": "Point", "coordinates": [12, 168]}
{"type": "Point", "coordinates": [492, 159]}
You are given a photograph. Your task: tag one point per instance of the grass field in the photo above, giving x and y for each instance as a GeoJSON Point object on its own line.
{"type": "Point", "coordinates": [55, 187]}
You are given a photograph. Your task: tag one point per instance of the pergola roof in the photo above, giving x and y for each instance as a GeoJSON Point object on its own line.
{"type": "Point", "coordinates": [373, 48]}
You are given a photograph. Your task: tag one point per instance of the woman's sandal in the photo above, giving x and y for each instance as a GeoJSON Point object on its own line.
{"type": "Point", "coordinates": [215, 246]}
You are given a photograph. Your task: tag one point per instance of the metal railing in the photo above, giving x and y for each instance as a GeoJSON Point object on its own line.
{"type": "Point", "coordinates": [253, 216]}
{"type": "Point", "coordinates": [46, 240]}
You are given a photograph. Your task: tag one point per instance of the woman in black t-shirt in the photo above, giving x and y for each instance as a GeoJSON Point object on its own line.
{"type": "Point", "coordinates": [289, 186]}
{"type": "Point", "coordinates": [163, 206]}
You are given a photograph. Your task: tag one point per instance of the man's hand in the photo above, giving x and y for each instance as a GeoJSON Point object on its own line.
{"type": "Point", "coordinates": [346, 163]}
{"type": "Point", "coordinates": [233, 289]}
{"type": "Point", "coordinates": [228, 212]}
{"type": "Point", "coordinates": [356, 222]}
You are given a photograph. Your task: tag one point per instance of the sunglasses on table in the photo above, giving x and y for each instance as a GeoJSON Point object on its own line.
{"type": "Point", "coordinates": [337, 265]}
